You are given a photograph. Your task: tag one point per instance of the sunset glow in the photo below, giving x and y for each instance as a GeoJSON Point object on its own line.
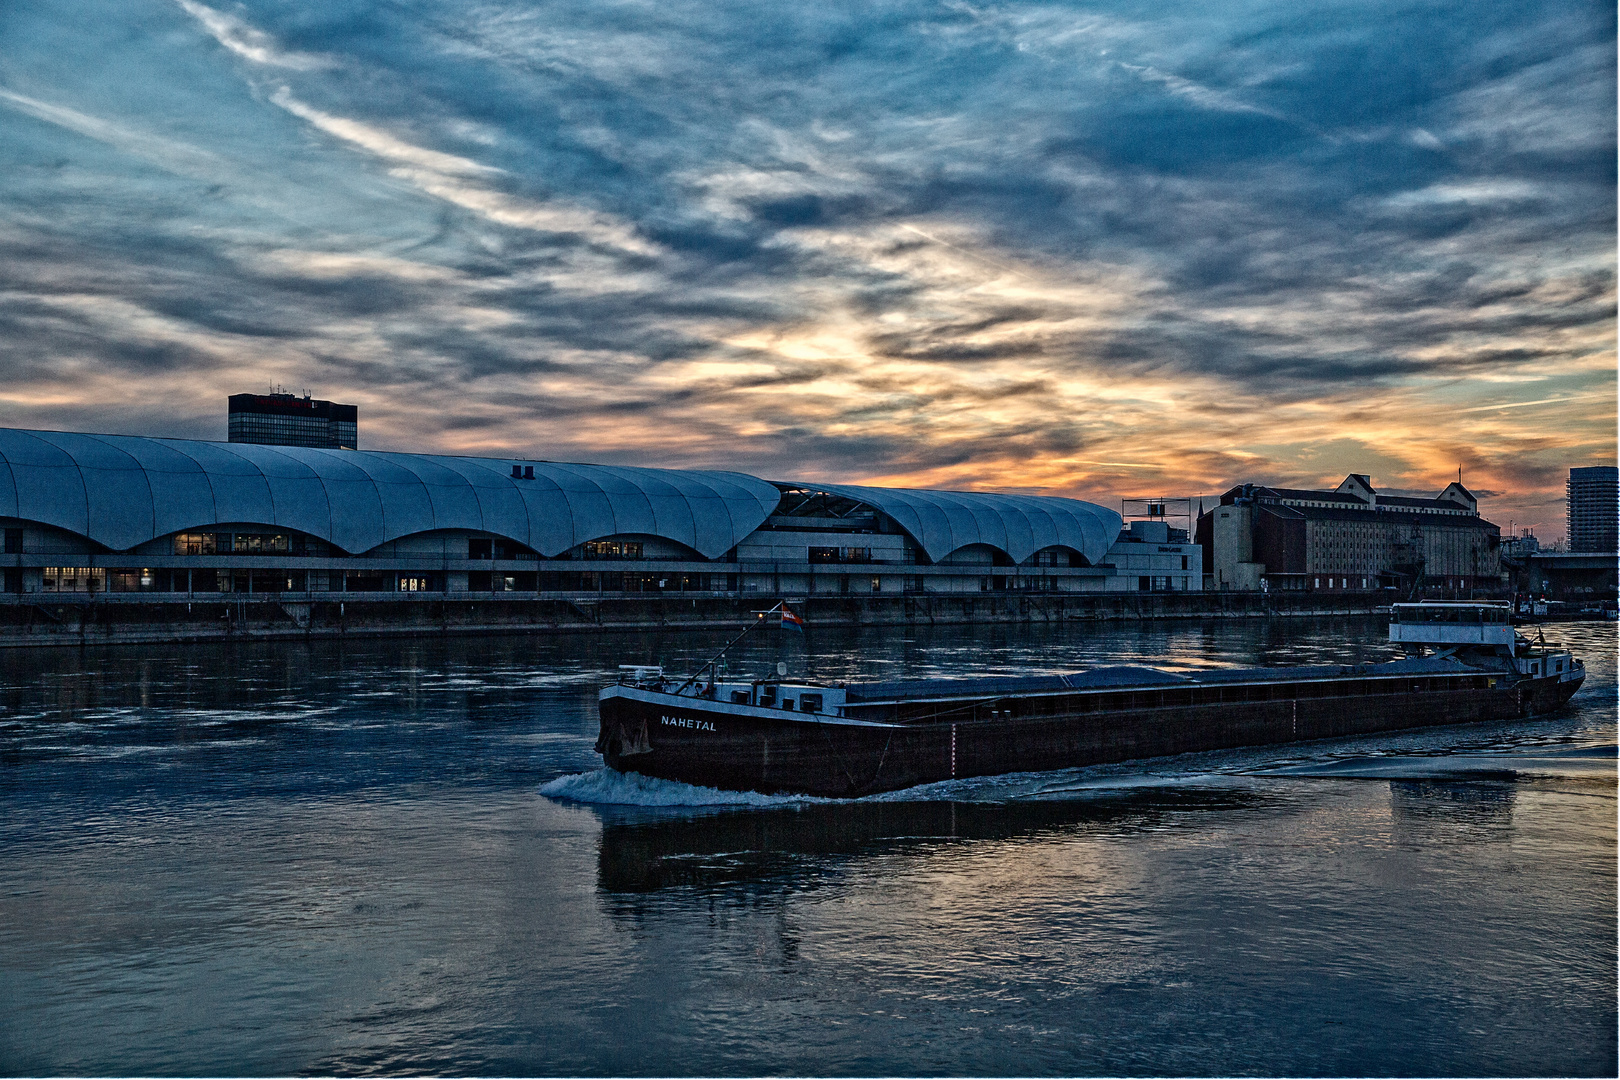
{"type": "Point", "coordinates": [1081, 250]}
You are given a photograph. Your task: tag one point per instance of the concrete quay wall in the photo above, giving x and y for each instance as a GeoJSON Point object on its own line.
{"type": "Point", "coordinates": [26, 621]}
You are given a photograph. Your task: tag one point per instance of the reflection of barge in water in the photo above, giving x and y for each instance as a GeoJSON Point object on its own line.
{"type": "Point", "coordinates": [794, 847]}
{"type": "Point", "coordinates": [857, 739]}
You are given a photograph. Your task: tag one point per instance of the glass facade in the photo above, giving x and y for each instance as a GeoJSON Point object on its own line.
{"type": "Point", "coordinates": [74, 579]}
{"type": "Point", "coordinates": [612, 549]}
{"type": "Point", "coordinates": [245, 543]}
{"type": "Point", "coordinates": [840, 554]}
{"type": "Point", "coordinates": [1592, 501]}
{"type": "Point", "coordinates": [286, 420]}
{"type": "Point", "coordinates": [487, 548]}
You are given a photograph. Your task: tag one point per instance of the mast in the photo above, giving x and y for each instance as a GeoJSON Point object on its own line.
{"type": "Point", "coordinates": [759, 618]}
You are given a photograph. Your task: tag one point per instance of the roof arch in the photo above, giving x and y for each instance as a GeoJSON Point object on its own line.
{"type": "Point", "coordinates": [122, 491]}
{"type": "Point", "coordinates": [1020, 525]}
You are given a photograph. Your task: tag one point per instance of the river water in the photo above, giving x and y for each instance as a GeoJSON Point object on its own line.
{"type": "Point", "coordinates": [403, 857]}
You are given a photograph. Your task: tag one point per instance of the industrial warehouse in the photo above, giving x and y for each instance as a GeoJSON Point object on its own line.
{"type": "Point", "coordinates": [123, 517]}
{"type": "Point", "coordinates": [1351, 539]}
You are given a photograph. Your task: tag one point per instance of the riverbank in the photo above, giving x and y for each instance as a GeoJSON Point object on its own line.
{"type": "Point", "coordinates": [114, 620]}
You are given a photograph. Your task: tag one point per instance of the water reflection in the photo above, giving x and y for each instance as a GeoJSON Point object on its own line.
{"type": "Point", "coordinates": [335, 857]}
{"type": "Point", "coordinates": [743, 853]}
{"type": "Point", "coordinates": [1477, 808]}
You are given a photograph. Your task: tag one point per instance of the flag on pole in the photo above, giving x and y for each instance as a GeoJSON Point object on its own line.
{"type": "Point", "coordinates": [790, 621]}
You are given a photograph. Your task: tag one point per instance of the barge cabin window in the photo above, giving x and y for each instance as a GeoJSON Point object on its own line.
{"type": "Point", "coordinates": [1489, 614]}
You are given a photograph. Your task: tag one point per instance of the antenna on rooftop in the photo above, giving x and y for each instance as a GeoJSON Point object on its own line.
{"type": "Point", "coordinates": [1158, 508]}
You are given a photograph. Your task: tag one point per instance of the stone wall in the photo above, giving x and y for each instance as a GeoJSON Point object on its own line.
{"type": "Point", "coordinates": [72, 621]}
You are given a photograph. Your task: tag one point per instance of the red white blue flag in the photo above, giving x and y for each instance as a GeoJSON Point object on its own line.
{"type": "Point", "coordinates": [790, 621]}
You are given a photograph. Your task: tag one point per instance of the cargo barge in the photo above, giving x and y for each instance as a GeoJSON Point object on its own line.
{"type": "Point", "coordinates": [1464, 663]}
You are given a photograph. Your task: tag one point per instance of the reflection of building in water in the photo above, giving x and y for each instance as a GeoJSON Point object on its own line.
{"type": "Point", "coordinates": [1478, 807]}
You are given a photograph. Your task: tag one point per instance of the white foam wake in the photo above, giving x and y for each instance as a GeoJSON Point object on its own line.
{"type": "Point", "coordinates": [605, 786]}
{"type": "Point", "coordinates": [608, 786]}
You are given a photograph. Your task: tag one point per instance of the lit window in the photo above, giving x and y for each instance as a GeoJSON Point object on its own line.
{"type": "Point", "coordinates": [194, 544]}
{"type": "Point", "coordinates": [613, 549]}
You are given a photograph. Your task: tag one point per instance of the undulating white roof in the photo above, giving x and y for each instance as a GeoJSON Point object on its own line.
{"type": "Point", "coordinates": [943, 521]}
{"type": "Point", "coordinates": [121, 491]}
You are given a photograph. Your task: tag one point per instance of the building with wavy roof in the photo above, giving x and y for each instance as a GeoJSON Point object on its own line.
{"type": "Point", "coordinates": [113, 514]}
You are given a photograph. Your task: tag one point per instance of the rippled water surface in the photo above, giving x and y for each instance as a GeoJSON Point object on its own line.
{"type": "Point", "coordinates": [402, 856]}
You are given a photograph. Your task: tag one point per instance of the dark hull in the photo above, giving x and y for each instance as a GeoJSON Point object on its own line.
{"type": "Point", "coordinates": [793, 753]}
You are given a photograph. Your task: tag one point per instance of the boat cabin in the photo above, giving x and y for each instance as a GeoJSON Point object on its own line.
{"type": "Point", "coordinates": [1443, 624]}
{"type": "Point", "coordinates": [790, 697]}
{"type": "Point", "coordinates": [760, 693]}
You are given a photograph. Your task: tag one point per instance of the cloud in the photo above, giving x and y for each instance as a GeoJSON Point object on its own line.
{"type": "Point", "coordinates": [382, 144]}
{"type": "Point", "coordinates": [457, 180]}
{"type": "Point", "coordinates": [1202, 96]}
{"type": "Point", "coordinates": [247, 42]}
{"type": "Point", "coordinates": [168, 153]}
{"type": "Point", "coordinates": [1011, 245]}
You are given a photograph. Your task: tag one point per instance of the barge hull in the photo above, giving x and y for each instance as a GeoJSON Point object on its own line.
{"type": "Point", "coordinates": [678, 739]}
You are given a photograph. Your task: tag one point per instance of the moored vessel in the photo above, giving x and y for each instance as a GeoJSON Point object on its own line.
{"type": "Point", "coordinates": [1465, 663]}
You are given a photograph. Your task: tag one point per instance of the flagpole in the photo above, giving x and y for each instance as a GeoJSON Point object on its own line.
{"type": "Point", "coordinates": [759, 617]}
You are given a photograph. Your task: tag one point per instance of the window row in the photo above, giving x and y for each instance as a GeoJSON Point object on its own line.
{"type": "Point", "coordinates": [247, 543]}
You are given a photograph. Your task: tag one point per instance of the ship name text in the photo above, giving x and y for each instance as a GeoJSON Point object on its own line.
{"type": "Point", "coordinates": [686, 722]}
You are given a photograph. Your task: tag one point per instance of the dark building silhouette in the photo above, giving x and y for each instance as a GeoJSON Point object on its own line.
{"type": "Point", "coordinates": [288, 420]}
{"type": "Point", "coordinates": [1593, 509]}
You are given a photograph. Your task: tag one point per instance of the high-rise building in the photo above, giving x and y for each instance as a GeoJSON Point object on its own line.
{"type": "Point", "coordinates": [288, 420]}
{"type": "Point", "coordinates": [1594, 511]}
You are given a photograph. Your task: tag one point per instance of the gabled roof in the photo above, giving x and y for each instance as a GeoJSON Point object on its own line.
{"type": "Point", "coordinates": [1262, 492]}
{"type": "Point", "coordinates": [1403, 500]}
{"type": "Point", "coordinates": [1318, 496]}
{"type": "Point", "coordinates": [1385, 517]}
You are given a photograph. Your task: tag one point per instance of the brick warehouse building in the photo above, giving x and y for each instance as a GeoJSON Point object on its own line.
{"type": "Point", "coordinates": [1350, 539]}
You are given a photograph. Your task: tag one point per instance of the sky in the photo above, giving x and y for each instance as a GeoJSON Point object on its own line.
{"type": "Point", "coordinates": [1088, 249]}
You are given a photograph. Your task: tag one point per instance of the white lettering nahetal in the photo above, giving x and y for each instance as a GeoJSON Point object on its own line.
{"type": "Point", "coordinates": [686, 722]}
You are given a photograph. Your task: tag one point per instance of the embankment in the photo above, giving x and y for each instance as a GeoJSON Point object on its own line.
{"type": "Point", "coordinates": [35, 621]}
